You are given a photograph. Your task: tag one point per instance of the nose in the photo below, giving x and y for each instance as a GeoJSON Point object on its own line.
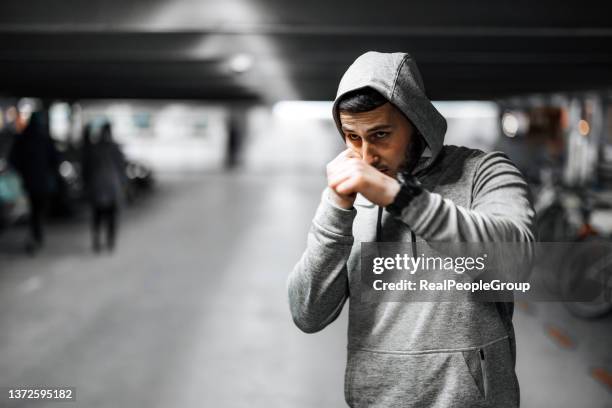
{"type": "Point", "coordinates": [368, 154]}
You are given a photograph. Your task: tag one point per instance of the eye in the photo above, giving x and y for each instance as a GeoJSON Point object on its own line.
{"type": "Point", "coordinates": [381, 135]}
{"type": "Point", "coordinates": [353, 136]}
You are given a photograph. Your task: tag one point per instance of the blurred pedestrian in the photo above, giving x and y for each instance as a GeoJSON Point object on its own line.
{"type": "Point", "coordinates": [234, 141]}
{"type": "Point", "coordinates": [104, 177]}
{"type": "Point", "coordinates": [34, 156]}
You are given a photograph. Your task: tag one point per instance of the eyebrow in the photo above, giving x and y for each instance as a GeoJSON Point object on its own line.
{"type": "Point", "coordinates": [372, 129]}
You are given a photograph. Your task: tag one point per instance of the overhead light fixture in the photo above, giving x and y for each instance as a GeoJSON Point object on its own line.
{"type": "Point", "coordinates": [510, 124]}
{"type": "Point", "coordinates": [467, 109]}
{"type": "Point", "coordinates": [241, 63]}
{"type": "Point", "coordinates": [26, 106]}
{"type": "Point", "coordinates": [303, 110]}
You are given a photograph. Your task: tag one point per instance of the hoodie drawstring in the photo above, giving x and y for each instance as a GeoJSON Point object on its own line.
{"type": "Point", "coordinates": [379, 225]}
{"type": "Point", "coordinates": [379, 232]}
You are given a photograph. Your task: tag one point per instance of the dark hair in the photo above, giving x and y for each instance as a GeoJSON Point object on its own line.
{"type": "Point", "coordinates": [361, 100]}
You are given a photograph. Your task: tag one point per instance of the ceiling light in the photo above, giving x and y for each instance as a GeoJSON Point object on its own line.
{"type": "Point", "coordinates": [240, 63]}
{"type": "Point", "coordinates": [510, 124]}
{"type": "Point", "coordinates": [303, 110]}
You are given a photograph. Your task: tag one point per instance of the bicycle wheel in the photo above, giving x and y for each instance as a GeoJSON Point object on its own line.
{"type": "Point", "coordinates": [588, 274]}
{"type": "Point", "coordinates": [552, 226]}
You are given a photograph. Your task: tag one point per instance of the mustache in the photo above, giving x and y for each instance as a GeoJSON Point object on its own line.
{"type": "Point", "coordinates": [381, 167]}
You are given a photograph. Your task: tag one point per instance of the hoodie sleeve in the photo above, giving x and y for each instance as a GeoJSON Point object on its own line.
{"type": "Point", "coordinates": [318, 284]}
{"type": "Point", "coordinates": [501, 209]}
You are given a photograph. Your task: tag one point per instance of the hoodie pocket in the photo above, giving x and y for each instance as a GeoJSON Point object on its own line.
{"type": "Point", "coordinates": [476, 362]}
{"type": "Point", "coordinates": [491, 368]}
{"type": "Point", "coordinates": [437, 379]}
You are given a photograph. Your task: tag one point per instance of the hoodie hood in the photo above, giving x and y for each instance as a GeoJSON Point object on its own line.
{"type": "Point", "coordinates": [396, 77]}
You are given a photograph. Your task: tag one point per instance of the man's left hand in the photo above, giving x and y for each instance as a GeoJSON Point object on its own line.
{"type": "Point", "coordinates": [357, 176]}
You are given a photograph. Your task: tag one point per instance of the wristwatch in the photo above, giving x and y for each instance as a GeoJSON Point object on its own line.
{"type": "Point", "coordinates": [410, 187]}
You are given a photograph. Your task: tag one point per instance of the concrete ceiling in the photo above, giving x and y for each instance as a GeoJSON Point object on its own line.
{"type": "Point", "coordinates": [299, 50]}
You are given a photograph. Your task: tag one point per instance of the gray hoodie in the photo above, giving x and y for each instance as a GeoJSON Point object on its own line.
{"type": "Point", "coordinates": [417, 354]}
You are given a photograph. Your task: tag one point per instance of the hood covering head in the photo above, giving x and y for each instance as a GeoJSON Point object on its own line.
{"type": "Point", "coordinates": [396, 77]}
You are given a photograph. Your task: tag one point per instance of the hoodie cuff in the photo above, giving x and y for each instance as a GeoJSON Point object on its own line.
{"type": "Point", "coordinates": [333, 218]}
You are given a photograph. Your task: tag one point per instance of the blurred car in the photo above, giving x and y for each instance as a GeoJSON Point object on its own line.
{"type": "Point", "coordinates": [140, 180]}
{"type": "Point", "coordinates": [69, 196]}
{"type": "Point", "coordinates": [13, 201]}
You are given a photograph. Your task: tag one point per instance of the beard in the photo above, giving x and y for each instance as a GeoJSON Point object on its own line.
{"type": "Point", "coordinates": [413, 153]}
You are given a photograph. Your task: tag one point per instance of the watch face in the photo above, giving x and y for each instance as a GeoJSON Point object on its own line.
{"type": "Point", "coordinates": [403, 176]}
{"type": "Point", "coordinates": [408, 179]}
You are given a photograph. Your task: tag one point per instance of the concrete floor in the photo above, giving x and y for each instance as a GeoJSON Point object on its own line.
{"type": "Point", "coordinates": [191, 310]}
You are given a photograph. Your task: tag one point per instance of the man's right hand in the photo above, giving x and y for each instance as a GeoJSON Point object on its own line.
{"type": "Point", "coordinates": [334, 168]}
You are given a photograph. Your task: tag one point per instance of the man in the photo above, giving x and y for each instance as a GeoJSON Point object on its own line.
{"type": "Point", "coordinates": [397, 182]}
{"type": "Point", "coordinates": [34, 156]}
{"type": "Point", "coordinates": [104, 176]}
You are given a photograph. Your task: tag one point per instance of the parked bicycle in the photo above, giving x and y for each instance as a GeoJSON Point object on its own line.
{"type": "Point", "coordinates": [585, 270]}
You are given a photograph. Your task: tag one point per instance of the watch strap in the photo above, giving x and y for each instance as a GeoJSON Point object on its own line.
{"type": "Point", "coordinates": [410, 187]}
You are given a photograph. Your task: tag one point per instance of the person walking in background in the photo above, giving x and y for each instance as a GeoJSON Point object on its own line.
{"type": "Point", "coordinates": [104, 178]}
{"type": "Point", "coordinates": [34, 156]}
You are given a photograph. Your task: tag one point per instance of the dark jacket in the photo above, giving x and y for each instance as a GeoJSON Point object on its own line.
{"type": "Point", "coordinates": [34, 156]}
{"type": "Point", "coordinates": [104, 173]}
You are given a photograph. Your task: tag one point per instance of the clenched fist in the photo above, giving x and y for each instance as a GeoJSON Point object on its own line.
{"type": "Point", "coordinates": [348, 175]}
